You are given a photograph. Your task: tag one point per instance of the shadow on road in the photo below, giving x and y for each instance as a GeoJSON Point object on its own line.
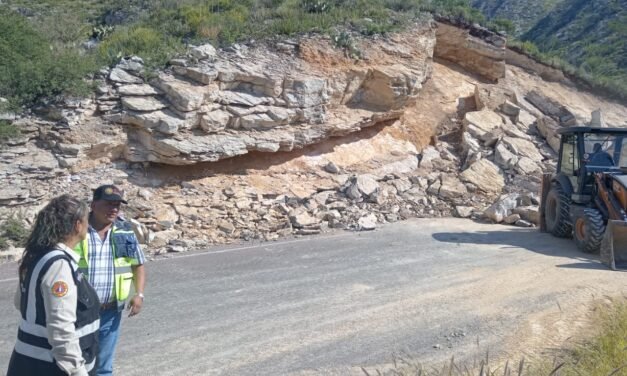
{"type": "Point", "coordinates": [528, 239]}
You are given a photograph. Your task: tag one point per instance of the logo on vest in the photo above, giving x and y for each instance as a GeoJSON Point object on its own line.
{"type": "Point", "coordinates": [59, 289]}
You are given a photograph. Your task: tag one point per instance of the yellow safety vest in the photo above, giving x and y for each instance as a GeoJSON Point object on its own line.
{"type": "Point", "coordinates": [124, 247]}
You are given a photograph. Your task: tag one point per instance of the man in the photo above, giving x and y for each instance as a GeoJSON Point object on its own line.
{"type": "Point", "coordinates": [600, 157]}
{"type": "Point", "coordinates": [111, 258]}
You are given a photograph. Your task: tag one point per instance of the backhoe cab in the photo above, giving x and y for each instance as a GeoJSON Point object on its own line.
{"type": "Point", "coordinates": [587, 197]}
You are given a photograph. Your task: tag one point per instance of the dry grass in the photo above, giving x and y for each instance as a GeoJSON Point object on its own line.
{"type": "Point", "coordinates": [603, 355]}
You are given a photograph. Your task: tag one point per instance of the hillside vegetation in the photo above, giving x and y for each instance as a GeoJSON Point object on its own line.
{"type": "Point", "coordinates": [46, 47]}
{"type": "Point", "coordinates": [591, 35]}
{"type": "Point", "coordinates": [586, 38]}
{"type": "Point", "coordinates": [523, 14]}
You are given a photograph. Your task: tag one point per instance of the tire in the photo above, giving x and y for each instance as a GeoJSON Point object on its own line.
{"type": "Point", "coordinates": [589, 230]}
{"type": "Point", "coordinates": [557, 213]}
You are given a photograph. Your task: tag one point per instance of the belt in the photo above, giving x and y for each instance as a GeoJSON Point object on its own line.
{"type": "Point", "coordinates": [107, 306]}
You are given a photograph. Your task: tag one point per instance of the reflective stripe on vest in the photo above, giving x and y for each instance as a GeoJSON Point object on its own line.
{"type": "Point", "coordinates": [123, 278]}
{"type": "Point", "coordinates": [32, 336]}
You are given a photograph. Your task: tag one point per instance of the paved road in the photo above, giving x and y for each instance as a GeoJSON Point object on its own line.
{"type": "Point", "coordinates": [330, 304]}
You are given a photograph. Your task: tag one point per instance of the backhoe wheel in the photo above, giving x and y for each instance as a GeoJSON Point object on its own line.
{"type": "Point", "coordinates": [589, 230]}
{"type": "Point", "coordinates": [557, 213]}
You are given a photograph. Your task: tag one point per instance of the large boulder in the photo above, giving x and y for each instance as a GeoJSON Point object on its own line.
{"type": "Point", "coordinates": [485, 175]}
{"type": "Point", "coordinates": [367, 223]}
{"type": "Point", "coordinates": [452, 188]}
{"type": "Point", "coordinates": [510, 109]}
{"type": "Point", "coordinates": [362, 185]}
{"type": "Point", "coordinates": [523, 148]}
{"type": "Point", "coordinates": [204, 52]}
{"type": "Point", "coordinates": [551, 108]}
{"type": "Point", "coordinates": [529, 213]}
{"type": "Point", "coordinates": [527, 166]}
{"type": "Point", "coordinates": [478, 123]}
{"type": "Point", "coordinates": [504, 158]}
{"type": "Point", "coordinates": [548, 129]}
{"type": "Point", "coordinates": [183, 95]}
{"type": "Point", "coordinates": [502, 208]}
{"type": "Point", "coordinates": [428, 156]}
{"type": "Point", "coordinates": [121, 76]}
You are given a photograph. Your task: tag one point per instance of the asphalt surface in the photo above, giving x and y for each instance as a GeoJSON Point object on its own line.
{"type": "Point", "coordinates": [330, 304]}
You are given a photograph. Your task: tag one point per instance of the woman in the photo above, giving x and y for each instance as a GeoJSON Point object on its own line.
{"type": "Point", "coordinates": [58, 334]}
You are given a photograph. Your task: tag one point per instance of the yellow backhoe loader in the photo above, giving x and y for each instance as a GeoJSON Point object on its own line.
{"type": "Point", "coordinates": [587, 198]}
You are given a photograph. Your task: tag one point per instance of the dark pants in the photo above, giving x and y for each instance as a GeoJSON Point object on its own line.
{"type": "Point", "coordinates": [21, 365]}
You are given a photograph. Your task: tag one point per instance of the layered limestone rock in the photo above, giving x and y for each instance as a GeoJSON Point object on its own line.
{"type": "Point", "coordinates": [473, 48]}
{"type": "Point", "coordinates": [514, 57]}
{"type": "Point", "coordinates": [263, 100]}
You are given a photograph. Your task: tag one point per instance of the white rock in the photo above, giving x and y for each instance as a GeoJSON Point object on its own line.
{"type": "Point", "coordinates": [511, 219]}
{"type": "Point", "coordinates": [401, 185]}
{"type": "Point", "coordinates": [121, 76]}
{"type": "Point", "coordinates": [478, 123]}
{"type": "Point", "coordinates": [510, 109]}
{"type": "Point", "coordinates": [303, 219]}
{"type": "Point", "coordinates": [529, 213]}
{"type": "Point", "coordinates": [464, 211]}
{"type": "Point", "coordinates": [523, 148]}
{"type": "Point", "coordinates": [206, 51]}
{"type": "Point", "coordinates": [526, 119]}
{"type": "Point", "coordinates": [526, 166]}
{"type": "Point", "coordinates": [504, 158]}
{"type": "Point", "coordinates": [367, 223]}
{"type": "Point", "coordinates": [226, 227]}
{"type": "Point", "coordinates": [429, 154]}
{"type": "Point", "coordinates": [305, 92]}
{"type": "Point", "coordinates": [502, 209]}
{"type": "Point", "coordinates": [548, 129]}
{"type": "Point", "coordinates": [452, 188]}
{"type": "Point", "coordinates": [331, 168]}
{"type": "Point", "coordinates": [362, 185]}
{"type": "Point", "coordinates": [523, 223]}
{"type": "Point", "coordinates": [215, 121]}
{"type": "Point", "coordinates": [137, 90]}
{"type": "Point", "coordinates": [596, 119]}
{"type": "Point", "coordinates": [143, 104]}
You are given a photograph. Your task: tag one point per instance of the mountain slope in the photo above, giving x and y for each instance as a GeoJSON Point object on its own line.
{"type": "Point", "coordinates": [524, 14]}
{"type": "Point", "coordinates": [589, 35]}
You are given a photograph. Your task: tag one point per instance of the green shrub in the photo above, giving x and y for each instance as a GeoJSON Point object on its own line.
{"type": "Point", "coordinates": [4, 243]}
{"type": "Point", "coordinates": [13, 229]}
{"type": "Point", "coordinates": [8, 131]}
{"type": "Point", "coordinates": [502, 24]}
{"type": "Point", "coordinates": [344, 41]}
{"type": "Point", "coordinates": [32, 68]}
{"type": "Point", "coordinates": [154, 47]}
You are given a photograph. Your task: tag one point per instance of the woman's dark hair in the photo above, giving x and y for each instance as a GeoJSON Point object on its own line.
{"type": "Point", "coordinates": [54, 223]}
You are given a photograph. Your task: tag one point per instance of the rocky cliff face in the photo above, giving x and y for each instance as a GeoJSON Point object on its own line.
{"type": "Point", "coordinates": [474, 48]}
{"type": "Point", "coordinates": [298, 137]}
{"type": "Point", "coordinates": [211, 106]}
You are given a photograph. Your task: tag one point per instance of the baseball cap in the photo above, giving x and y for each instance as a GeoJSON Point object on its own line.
{"type": "Point", "coordinates": [109, 193]}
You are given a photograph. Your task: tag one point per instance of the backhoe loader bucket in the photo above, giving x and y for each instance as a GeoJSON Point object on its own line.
{"type": "Point", "coordinates": [614, 245]}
